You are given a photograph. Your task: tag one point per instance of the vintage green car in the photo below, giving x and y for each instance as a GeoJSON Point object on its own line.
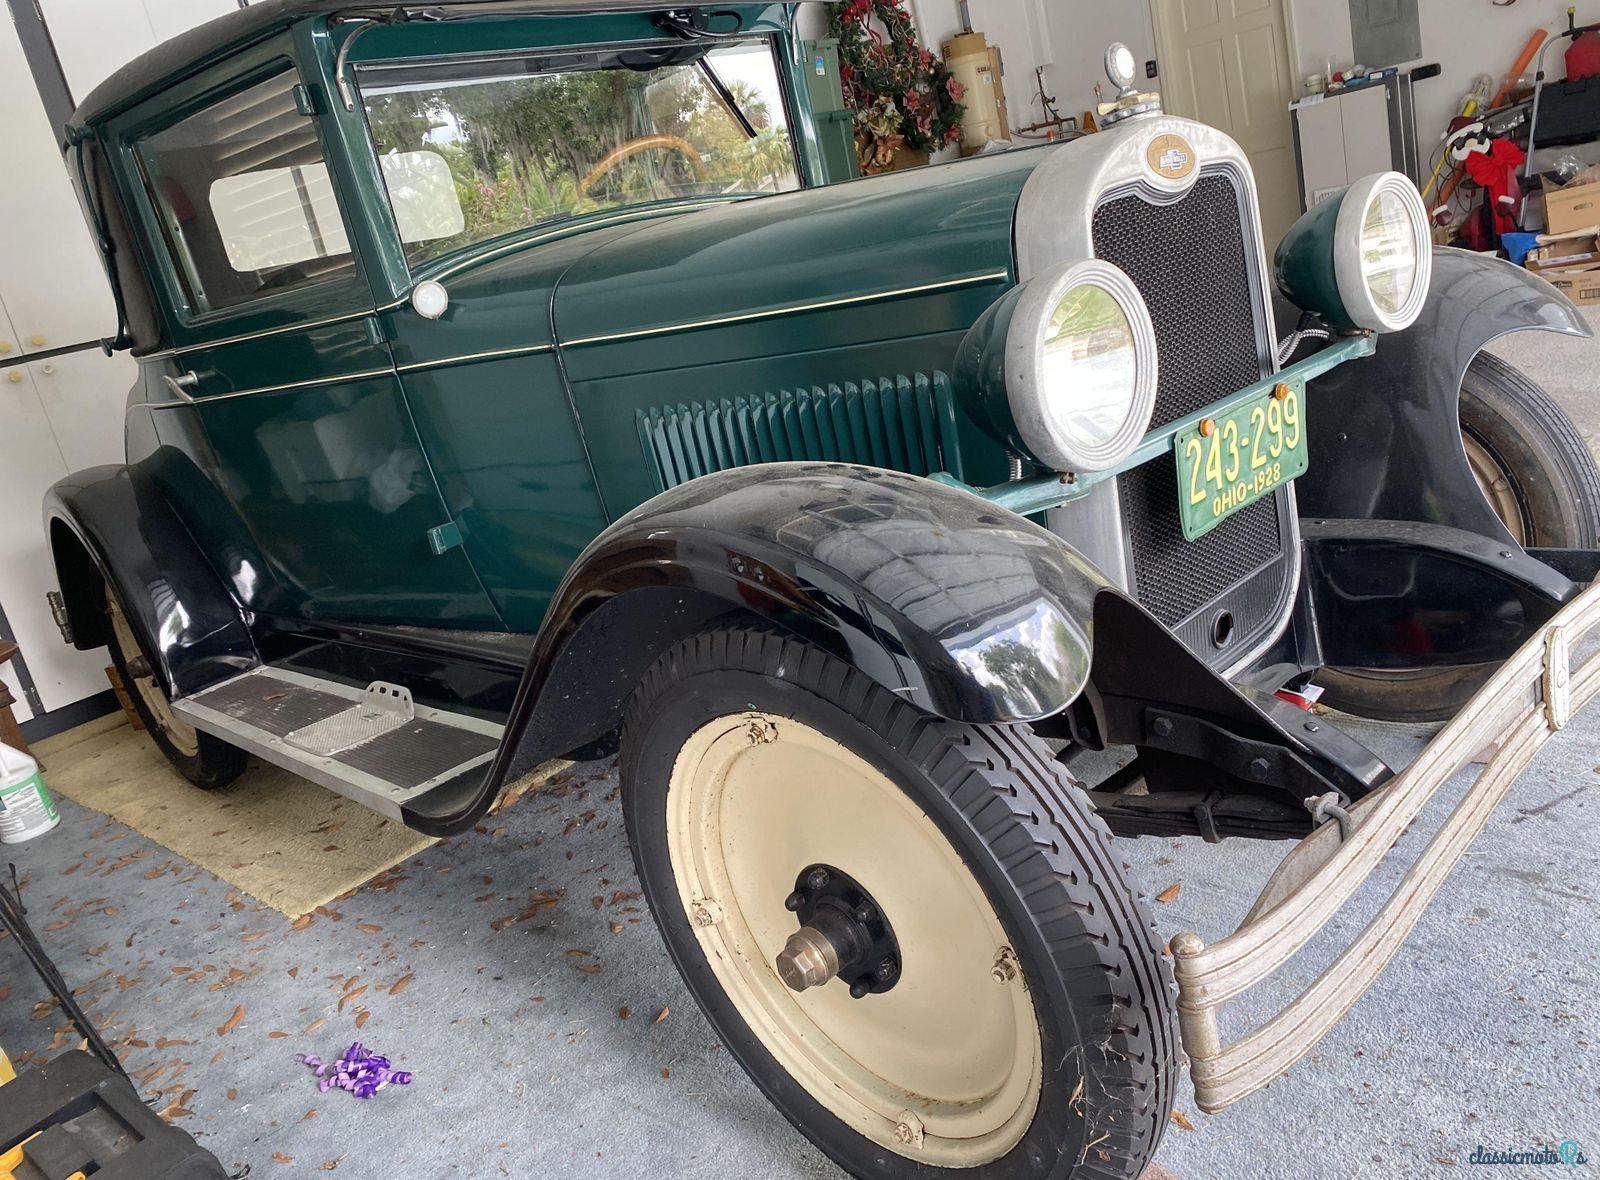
{"type": "Point", "coordinates": [517, 383]}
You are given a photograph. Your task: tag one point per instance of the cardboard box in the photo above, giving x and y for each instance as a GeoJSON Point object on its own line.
{"type": "Point", "coordinates": [1582, 287]}
{"type": "Point", "coordinates": [1572, 209]}
{"type": "Point", "coordinates": [1572, 252]}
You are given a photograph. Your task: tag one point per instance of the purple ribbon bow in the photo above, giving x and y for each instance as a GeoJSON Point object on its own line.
{"type": "Point", "coordinates": [360, 1071]}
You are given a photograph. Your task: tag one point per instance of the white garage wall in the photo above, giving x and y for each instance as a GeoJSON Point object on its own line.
{"type": "Point", "coordinates": [1067, 37]}
{"type": "Point", "coordinates": [94, 37]}
{"type": "Point", "coordinates": [1466, 37]}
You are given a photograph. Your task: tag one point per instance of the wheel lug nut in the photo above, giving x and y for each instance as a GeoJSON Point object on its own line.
{"type": "Point", "coordinates": [817, 879]}
{"type": "Point", "coordinates": [861, 987]}
{"type": "Point", "coordinates": [865, 913]}
{"type": "Point", "coordinates": [793, 902]}
{"type": "Point", "coordinates": [887, 970]}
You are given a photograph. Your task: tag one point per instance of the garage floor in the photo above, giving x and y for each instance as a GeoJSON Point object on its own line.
{"type": "Point", "coordinates": [514, 970]}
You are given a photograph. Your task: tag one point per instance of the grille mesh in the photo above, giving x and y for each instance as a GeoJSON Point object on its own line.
{"type": "Point", "coordinates": [1189, 261]}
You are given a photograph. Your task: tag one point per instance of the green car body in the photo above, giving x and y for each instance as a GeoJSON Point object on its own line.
{"type": "Point", "coordinates": [524, 399]}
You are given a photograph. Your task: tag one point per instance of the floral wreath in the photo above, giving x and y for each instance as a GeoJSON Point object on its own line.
{"type": "Point", "coordinates": [902, 95]}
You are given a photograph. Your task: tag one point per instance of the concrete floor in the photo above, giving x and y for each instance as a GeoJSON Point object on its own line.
{"type": "Point", "coordinates": [555, 1039]}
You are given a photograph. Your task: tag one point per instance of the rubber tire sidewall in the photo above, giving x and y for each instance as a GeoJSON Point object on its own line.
{"type": "Point", "coordinates": [1555, 479]}
{"type": "Point", "coordinates": [650, 750]}
{"type": "Point", "coordinates": [214, 766]}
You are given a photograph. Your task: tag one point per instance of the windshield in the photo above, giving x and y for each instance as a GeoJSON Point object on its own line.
{"type": "Point", "coordinates": [477, 148]}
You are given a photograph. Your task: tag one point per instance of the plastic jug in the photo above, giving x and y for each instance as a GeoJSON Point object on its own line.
{"type": "Point", "coordinates": [26, 808]}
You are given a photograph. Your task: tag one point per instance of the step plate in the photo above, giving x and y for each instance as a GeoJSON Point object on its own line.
{"type": "Point", "coordinates": [260, 709]}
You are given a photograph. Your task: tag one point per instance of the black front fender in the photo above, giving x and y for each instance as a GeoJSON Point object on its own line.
{"type": "Point", "coordinates": [114, 522]}
{"type": "Point", "coordinates": [967, 610]}
{"type": "Point", "coordinates": [1384, 431]}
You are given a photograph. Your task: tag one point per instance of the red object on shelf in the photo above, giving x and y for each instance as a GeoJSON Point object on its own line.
{"type": "Point", "coordinates": [1583, 57]}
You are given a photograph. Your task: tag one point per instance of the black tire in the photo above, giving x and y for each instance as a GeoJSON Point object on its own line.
{"type": "Point", "coordinates": [1551, 500]}
{"type": "Point", "coordinates": [211, 764]}
{"type": "Point", "coordinates": [1086, 943]}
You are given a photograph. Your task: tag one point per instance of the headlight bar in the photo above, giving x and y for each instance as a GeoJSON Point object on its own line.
{"type": "Point", "coordinates": [1029, 496]}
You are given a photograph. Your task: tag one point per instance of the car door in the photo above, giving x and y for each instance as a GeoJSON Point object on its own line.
{"type": "Point", "coordinates": [286, 388]}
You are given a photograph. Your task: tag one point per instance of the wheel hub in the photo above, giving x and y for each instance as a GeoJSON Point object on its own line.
{"type": "Point", "coordinates": [844, 934]}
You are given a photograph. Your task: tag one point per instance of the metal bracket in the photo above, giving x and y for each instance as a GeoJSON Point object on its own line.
{"type": "Point", "coordinates": [444, 537]}
{"type": "Point", "coordinates": [1557, 679]}
{"type": "Point", "coordinates": [1322, 807]}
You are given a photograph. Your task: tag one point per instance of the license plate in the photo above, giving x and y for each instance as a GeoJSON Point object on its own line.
{"type": "Point", "coordinates": [1234, 459]}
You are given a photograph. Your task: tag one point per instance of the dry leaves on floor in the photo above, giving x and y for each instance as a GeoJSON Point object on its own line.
{"type": "Point", "coordinates": [1170, 893]}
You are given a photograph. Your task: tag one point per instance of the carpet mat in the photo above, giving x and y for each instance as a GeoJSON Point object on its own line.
{"type": "Point", "coordinates": [274, 836]}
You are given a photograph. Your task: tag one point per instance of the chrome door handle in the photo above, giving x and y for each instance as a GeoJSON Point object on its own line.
{"type": "Point", "coordinates": [181, 385]}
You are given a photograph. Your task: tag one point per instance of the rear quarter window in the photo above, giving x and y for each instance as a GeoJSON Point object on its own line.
{"type": "Point", "coordinates": [243, 195]}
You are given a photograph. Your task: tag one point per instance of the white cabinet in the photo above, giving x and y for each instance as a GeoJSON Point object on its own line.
{"type": "Point", "coordinates": [30, 461]}
{"type": "Point", "coordinates": [83, 395]}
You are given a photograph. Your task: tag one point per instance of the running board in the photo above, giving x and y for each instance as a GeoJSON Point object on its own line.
{"type": "Point", "coordinates": [374, 746]}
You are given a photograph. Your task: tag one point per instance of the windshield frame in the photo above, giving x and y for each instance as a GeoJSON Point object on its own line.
{"type": "Point", "coordinates": [562, 225]}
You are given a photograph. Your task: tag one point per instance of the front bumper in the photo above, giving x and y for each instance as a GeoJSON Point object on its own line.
{"type": "Point", "coordinates": [1530, 698]}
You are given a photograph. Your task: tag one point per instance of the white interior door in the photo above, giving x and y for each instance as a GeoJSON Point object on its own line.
{"type": "Point", "coordinates": [1226, 63]}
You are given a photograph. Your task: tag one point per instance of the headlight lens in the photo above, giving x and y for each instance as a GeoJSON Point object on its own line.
{"type": "Point", "coordinates": [1081, 368]}
{"type": "Point", "coordinates": [1363, 258]}
{"type": "Point", "coordinates": [1388, 252]}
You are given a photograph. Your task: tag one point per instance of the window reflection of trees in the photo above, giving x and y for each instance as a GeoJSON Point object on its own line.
{"type": "Point", "coordinates": [520, 148]}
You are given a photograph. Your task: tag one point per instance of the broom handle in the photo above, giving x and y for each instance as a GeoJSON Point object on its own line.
{"type": "Point", "coordinates": [1535, 43]}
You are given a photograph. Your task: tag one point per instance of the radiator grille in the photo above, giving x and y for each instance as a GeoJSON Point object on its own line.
{"type": "Point", "coordinates": [903, 423]}
{"type": "Point", "coordinates": [1190, 263]}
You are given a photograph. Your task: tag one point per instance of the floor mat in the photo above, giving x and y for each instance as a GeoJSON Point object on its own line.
{"type": "Point", "coordinates": [274, 836]}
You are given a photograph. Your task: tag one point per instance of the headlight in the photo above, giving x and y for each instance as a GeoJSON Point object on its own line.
{"type": "Point", "coordinates": [1066, 367]}
{"type": "Point", "coordinates": [1363, 258]}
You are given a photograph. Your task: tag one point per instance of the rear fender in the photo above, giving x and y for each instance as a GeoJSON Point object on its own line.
{"type": "Point", "coordinates": [1384, 431]}
{"type": "Point", "coordinates": [113, 524]}
{"type": "Point", "coordinates": [967, 610]}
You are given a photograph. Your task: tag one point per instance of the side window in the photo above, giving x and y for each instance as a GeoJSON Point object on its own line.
{"type": "Point", "coordinates": [244, 198]}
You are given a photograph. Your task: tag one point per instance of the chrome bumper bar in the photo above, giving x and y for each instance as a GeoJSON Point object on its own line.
{"type": "Point", "coordinates": [1530, 698]}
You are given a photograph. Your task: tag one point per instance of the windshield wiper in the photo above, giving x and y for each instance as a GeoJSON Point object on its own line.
{"type": "Point", "coordinates": [725, 95]}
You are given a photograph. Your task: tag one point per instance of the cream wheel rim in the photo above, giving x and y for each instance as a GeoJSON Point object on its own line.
{"type": "Point", "coordinates": [945, 1068]}
{"type": "Point", "coordinates": [181, 734]}
{"type": "Point", "coordinates": [1497, 487]}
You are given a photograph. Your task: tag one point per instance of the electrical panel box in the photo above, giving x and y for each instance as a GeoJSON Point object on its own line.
{"type": "Point", "coordinates": [835, 123]}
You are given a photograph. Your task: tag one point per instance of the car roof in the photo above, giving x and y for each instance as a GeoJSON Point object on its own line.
{"type": "Point", "coordinates": [188, 50]}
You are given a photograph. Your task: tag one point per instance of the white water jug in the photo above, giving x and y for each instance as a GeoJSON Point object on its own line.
{"type": "Point", "coordinates": [26, 808]}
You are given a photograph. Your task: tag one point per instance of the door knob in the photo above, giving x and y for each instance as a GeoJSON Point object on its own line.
{"type": "Point", "coordinates": [182, 384]}
{"type": "Point", "coordinates": [36, 340]}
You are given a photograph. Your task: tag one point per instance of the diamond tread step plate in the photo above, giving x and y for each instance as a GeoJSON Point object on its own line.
{"type": "Point", "coordinates": [323, 731]}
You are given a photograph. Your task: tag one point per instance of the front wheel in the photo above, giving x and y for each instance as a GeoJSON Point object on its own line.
{"type": "Point", "coordinates": [206, 761]}
{"type": "Point", "coordinates": [1538, 474]}
{"type": "Point", "coordinates": [913, 934]}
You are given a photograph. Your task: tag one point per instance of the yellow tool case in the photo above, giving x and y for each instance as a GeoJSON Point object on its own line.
{"type": "Point", "coordinates": [75, 1118]}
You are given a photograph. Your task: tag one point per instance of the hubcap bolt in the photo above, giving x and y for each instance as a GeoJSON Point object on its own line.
{"type": "Point", "coordinates": [887, 970]}
{"type": "Point", "coordinates": [793, 902]}
{"type": "Point", "coordinates": [861, 987]}
{"type": "Point", "coordinates": [817, 880]}
{"type": "Point", "coordinates": [865, 913]}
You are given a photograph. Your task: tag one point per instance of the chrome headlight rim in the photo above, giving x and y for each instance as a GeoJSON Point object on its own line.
{"type": "Point", "coordinates": [1027, 387]}
{"type": "Point", "coordinates": [1349, 245]}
